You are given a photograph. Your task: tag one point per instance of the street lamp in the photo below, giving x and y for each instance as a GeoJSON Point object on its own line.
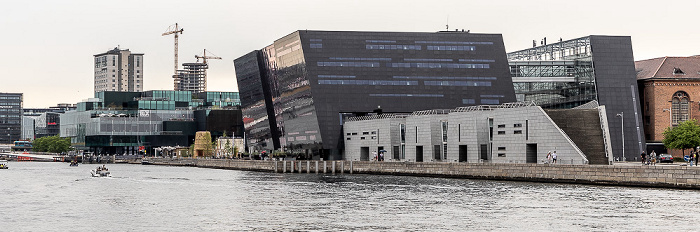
{"type": "Point", "coordinates": [622, 129]}
{"type": "Point", "coordinates": [670, 120]}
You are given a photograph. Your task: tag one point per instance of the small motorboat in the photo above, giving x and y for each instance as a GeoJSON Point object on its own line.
{"type": "Point", "coordinates": [100, 172]}
{"type": "Point", "coordinates": [3, 164]}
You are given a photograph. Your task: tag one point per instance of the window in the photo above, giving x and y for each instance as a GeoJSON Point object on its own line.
{"type": "Point", "coordinates": [501, 154]}
{"type": "Point", "coordinates": [517, 132]}
{"type": "Point", "coordinates": [501, 132]}
{"type": "Point", "coordinates": [518, 125]}
{"type": "Point", "coordinates": [365, 133]}
{"type": "Point", "coordinates": [502, 126]}
{"type": "Point", "coordinates": [501, 148]}
{"type": "Point", "coordinates": [679, 105]}
{"type": "Point", "coordinates": [348, 138]}
{"type": "Point", "coordinates": [362, 138]}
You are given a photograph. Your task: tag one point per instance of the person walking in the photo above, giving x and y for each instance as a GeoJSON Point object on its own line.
{"type": "Point", "coordinates": [654, 157]}
{"type": "Point", "coordinates": [549, 157]}
{"type": "Point", "coordinates": [644, 158]}
{"type": "Point", "coordinates": [554, 157]}
{"type": "Point", "coordinates": [374, 156]}
{"type": "Point", "coordinates": [697, 155]}
{"type": "Point", "coordinates": [691, 158]}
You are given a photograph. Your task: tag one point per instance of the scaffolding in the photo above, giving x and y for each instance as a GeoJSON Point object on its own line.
{"type": "Point", "coordinates": [575, 49]}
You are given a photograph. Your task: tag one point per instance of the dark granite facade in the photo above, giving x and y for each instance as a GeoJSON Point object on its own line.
{"type": "Point", "coordinates": [312, 80]}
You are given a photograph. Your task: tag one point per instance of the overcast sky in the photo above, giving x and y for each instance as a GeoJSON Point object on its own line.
{"type": "Point", "coordinates": [48, 46]}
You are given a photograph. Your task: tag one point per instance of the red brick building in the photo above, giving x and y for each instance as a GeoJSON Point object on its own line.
{"type": "Point", "coordinates": [670, 93]}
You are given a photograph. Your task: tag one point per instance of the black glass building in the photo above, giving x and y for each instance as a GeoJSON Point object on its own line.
{"type": "Point", "coordinates": [296, 92]}
{"type": "Point", "coordinates": [10, 117]}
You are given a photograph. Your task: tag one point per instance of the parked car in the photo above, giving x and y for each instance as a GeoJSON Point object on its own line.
{"type": "Point", "coordinates": [665, 158]}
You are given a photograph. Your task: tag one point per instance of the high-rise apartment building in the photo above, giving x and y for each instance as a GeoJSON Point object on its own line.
{"type": "Point", "coordinates": [10, 117]}
{"type": "Point", "coordinates": [119, 70]}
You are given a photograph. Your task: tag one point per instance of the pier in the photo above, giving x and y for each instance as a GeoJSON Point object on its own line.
{"type": "Point", "coordinates": [662, 176]}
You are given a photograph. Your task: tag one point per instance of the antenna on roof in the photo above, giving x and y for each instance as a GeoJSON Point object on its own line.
{"type": "Point", "coordinates": [447, 25]}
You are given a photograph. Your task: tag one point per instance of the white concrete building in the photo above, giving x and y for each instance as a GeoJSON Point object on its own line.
{"type": "Point", "coordinates": [119, 70]}
{"type": "Point", "coordinates": [508, 133]}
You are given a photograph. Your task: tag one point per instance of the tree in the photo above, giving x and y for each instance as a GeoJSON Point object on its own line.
{"type": "Point", "coordinates": [53, 144]}
{"type": "Point", "coordinates": [684, 136]}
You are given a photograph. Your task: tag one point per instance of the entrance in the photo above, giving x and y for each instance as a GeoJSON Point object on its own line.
{"type": "Point", "coordinates": [419, 153]}
{"type": "Point", "coordinates": [531, 153]}
{"type": "Point", "coordinates": [364, 153]}
{"type": "Point", "coordinates": [462, 153]}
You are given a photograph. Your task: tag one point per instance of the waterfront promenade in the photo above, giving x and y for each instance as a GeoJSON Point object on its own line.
{"type": "Point", "coordinates": [665, 176]}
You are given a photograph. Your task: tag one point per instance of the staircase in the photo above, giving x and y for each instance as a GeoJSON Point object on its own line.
{"type": "Point", "coordinates": [583, 128]}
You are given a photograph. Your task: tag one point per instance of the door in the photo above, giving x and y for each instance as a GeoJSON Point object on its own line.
{"type": "Point", "coordinates": [462, 153]}
{"type": "Point", "coordinates": [364, 153]}
{"type": "Point", "coordinates": [531, 153]}
{"type": "Point", "coordinates": [484, 151]}
{"type": "Point", "coordinates": [419, 153]}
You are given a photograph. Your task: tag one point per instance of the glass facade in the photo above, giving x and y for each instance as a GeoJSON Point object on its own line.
{"type": "Point", "coordinates": [10, 117]}
{"type": "Point", "coordinates": [571, 73]}
{"type": "Point", "coordinates": [295, 92]}
{"type": "Point", "coordinates": [120, 122]}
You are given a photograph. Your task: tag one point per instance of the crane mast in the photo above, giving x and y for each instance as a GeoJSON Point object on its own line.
{"type": "Point", "coordinates": [174, 29]}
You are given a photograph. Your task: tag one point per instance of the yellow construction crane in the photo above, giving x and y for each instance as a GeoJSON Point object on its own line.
{"type": "Point", "coordinates": [174, 29]}
{"type": "Point", "coordinates": [205, 57]}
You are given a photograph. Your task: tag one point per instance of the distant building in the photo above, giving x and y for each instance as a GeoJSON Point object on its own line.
{"type": "Point", "coordinates": [574, 72]}
{"type": "Point", "coordinates": [42, 122]}
{"type": "Point", "coordinates": [670, 88]}
{"type": "Point", "coordinates": [192, 78]}
{"type": "Point", "coordinates": [10, 117]}
{"type": "Point", "coordinates": [119, 70]}
{"type": "Point", "coordinates": [123, 122]}
{"type": "Point", "coordinates": [297, 92]}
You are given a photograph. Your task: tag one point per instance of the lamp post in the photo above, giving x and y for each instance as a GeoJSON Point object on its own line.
{"type": "Point", "coordinates": [622, 129]}
{"type": "Point", "coordinates": [670, 120]}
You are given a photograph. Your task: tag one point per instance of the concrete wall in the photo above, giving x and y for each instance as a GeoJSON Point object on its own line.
{"type": "Point", "coordinates": [649, 176]}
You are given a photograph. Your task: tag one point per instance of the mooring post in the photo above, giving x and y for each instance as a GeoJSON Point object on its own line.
{"type": "Point", "coordinates": [342, 167]}
{"type": "Point", "coordinates": [333, 171]}
{"type": "Point", "coordinates": [316, 166]}
{"type": "Point", "coordinates": [324, 166]}
{"type": "Point", "coordinates": [275, 166]}
{"type": "Point", "coordinates": [284, 166]}
{"type": "Point", "coordinates": [350, 166]}
{"type": "Point", "coordinates": [308, 166]}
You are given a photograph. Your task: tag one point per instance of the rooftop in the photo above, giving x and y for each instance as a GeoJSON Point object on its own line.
{"type": "Point", "coordinates": [668, 67]}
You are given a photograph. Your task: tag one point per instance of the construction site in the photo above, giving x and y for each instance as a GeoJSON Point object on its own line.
{"type": "Point", "coordinates": [193, 76]}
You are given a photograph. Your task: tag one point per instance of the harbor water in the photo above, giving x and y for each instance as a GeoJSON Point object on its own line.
{"type": "Point", "coordinates": [55, 197]}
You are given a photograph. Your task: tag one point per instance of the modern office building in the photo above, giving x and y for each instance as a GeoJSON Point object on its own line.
{"type": "Point", "coordinates": [10, 117]}
{"type": "Point", "coordinates": [42, 122]}
{"type": "Point", "coordinates": [574, 72]}
{"type": "Point", "coordinates": [506, 133]}
{"type": "Point", "coordinates": [297, 92]}
{"type": "Point", "coordinates": [119, 70]}
{"type": "Point", "coordinates": [122, 122]}
{"type": "Point", "coordinates": [669, 88]}
{"type": "Point", "coordinates": [193, 78]}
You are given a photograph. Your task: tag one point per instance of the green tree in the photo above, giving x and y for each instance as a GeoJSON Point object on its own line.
{"type": "Point", "coordinates": [684, 136]}
{"type": "Point", "coordinates": [53, 144]}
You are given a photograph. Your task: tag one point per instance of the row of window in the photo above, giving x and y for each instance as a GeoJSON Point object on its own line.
{"type": "Point", "coordinates": [451, 48]}
{"type": "Point", "coordinates": [437, 65]}
{"type": "Point", "coordinates": [458, 83]}
{"type": "Point", "coordinates": [335, 76]}
{"type": "Point", "coordinates": [481, 101]}
{"type": "Point", "coordinates": [9, 116]}
{"type": "Point", "coordinates": [393, 47]}
{"type": "Point", "coordinates": [348, 64]}
{"type": "Point", "coordinates": [10, 98]}
{"type": "Point", "coordinates": [514, 125]}
{"type": "Point", "coordinates": [491, 95]}
{"type": "Point", "coordinates": [517, 132]}
{"type": "Point", "coordinates": [404, 95]}
{"type": "Point", "coordinates": [444, 78]}
{"type": "Point", "coordinates": [365, 82]}
{"type": "Point", "coordinates": [316, 45]}
{"type": "Point", "coordinates": [476, 60]}
{"type": "Point", "coordinates": [452, 42]}
{"type": "Point", "coordinates": [359, 58]}
{"type": "Point", "coordinates": [9, 110]}
{"type": "Point", "coordinates": [9, 103]}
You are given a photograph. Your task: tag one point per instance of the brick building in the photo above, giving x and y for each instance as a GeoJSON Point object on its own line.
{"type": "Point", "coordinates": [670, 89]}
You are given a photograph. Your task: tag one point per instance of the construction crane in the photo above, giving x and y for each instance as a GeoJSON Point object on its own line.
{"type": "Point", "coordinates": [205, 57]}
{"type": "Point", "coordinates": [174, 29]}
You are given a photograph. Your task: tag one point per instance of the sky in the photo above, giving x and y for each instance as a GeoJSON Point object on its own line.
{"type": "Point", "coordinates": [47, 46]}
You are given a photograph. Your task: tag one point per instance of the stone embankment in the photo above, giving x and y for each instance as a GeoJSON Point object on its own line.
{"type": "Point", "coordinates": [619, 175]}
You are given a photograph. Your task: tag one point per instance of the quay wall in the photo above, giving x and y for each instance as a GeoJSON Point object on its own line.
{"type": "Point", "coordinates": [619, 175]}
